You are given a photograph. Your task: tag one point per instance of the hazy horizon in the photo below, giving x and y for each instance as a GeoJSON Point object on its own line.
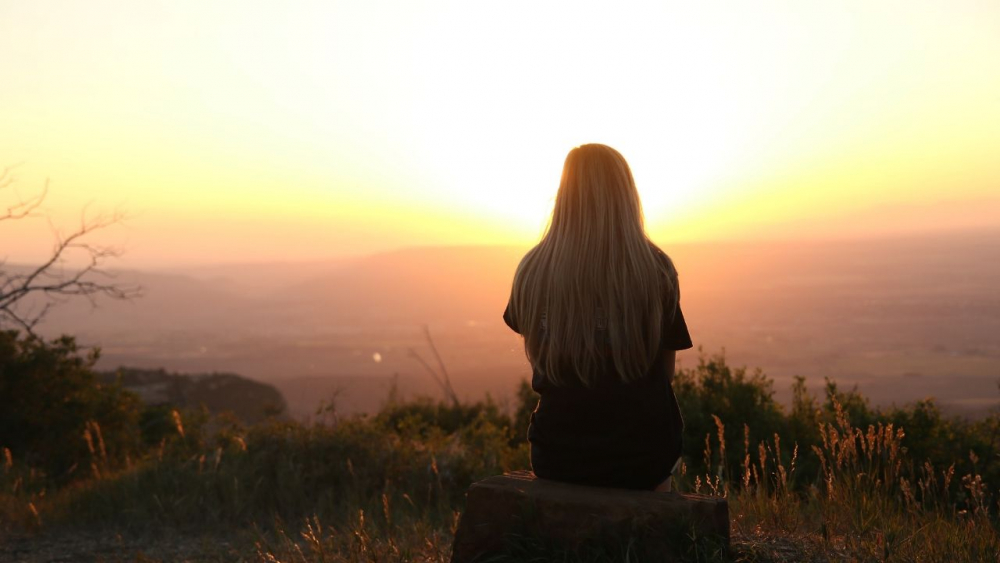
{"type": "Point", "coordinates": [126, 262]}
{"type": "Point", "coordinates": [904, 318]}
{"type": "Point", "coordinates": [931, 233]}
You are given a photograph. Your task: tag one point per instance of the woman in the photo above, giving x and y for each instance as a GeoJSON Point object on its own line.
{"type": "Point", "coordinates": [599, 308]}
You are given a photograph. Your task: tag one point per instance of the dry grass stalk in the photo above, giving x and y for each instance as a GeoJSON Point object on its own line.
{"type": "Point", "coordinates": [177, 422]}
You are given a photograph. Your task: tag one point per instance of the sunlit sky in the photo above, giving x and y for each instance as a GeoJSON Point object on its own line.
{"type": "Point", "coordinates": [245, 131]}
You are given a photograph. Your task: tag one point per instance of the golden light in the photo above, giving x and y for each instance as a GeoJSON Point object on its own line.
{"type": "Point", "coordinates": [245, 131]}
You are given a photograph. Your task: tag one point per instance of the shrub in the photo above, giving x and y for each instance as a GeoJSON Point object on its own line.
{"type": "Point", "coordinates": [424, 415]}
{"type": "Point", "coordinates": [715, 398]}
{"type": "Point", "coordinates": [54, 415]}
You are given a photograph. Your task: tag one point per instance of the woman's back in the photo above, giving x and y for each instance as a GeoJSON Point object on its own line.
{"type": "Point", "coordinates": [598, 305]}
{"type": "Point", "coordinates": [613, 433]}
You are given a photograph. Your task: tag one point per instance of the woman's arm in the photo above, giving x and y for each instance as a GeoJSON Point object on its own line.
{"type": "Point", "coordinates": [669, 359]}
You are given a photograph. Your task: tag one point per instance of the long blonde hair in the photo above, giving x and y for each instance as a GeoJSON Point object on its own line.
{"type": "Point", "coordinates": [595, 286]}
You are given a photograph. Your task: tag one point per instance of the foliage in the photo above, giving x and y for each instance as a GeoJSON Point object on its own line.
{"type": "Point", "coordinates": [804, 483]}
{"type": "Point", "coordinates": [55, 415]}
{"type": "Point", "coordinates": [250, 401]}
{"type": "Point", "coordinates": [869, 502]}
{"type": "Point", "coordinates": [715, 398]}
{"type": "Point", "coordinates": [423, 416]}
{"type": "Point", "coordinates": [713, 391]}
{"type": "Point", "coordinates": [526, 401]}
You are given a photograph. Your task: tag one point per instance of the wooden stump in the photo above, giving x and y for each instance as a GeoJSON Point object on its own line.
{"type": "Point", "coordinates": [518, 506]}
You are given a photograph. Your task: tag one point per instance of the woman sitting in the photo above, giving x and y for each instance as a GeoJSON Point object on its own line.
{"type": "Point", "coordinates": [599, 308]}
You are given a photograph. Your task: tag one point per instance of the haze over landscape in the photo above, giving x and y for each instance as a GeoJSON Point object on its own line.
{"type": "Point", "coordinates": [902, 318]}
{"type": "Point", "coordinates": [309, 185]}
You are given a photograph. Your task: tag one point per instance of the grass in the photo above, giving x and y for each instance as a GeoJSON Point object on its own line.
{"type": "Point", "coordinates": [390, 487]}
{"type": "Point", "coordinates": [870, 503]}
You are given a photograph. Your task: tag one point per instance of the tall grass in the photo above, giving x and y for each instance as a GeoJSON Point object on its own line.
{"type": "Point", "coordinates": [812, 485]}
{"type": "Point", "coordinates": [869, 501]}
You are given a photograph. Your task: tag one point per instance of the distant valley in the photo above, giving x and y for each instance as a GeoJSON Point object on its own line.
{"type": "Point", "coordinates": [902, 318]}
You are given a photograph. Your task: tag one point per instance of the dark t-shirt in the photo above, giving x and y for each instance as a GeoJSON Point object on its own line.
{"type": "Point", "coordinates": [613, 434]}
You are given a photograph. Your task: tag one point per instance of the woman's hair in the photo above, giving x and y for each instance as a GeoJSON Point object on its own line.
{"type": "Point", "coordinates": [595, 287]}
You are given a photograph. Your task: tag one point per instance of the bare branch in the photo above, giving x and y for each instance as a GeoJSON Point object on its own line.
{"type": "Point", "coordinates": [441, 379]}
{"type": "Point", "coordinates": [52, 281]}
{"type": "Point", "coordinates": [434, 375]}
{"type": "Point", "coordinates": [22, 207]}
{"type": "Point", "coordinates": [444, 372]}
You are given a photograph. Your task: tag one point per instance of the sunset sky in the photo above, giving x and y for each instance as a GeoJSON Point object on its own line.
{"type": "Point", "coordinates": [246, 131]}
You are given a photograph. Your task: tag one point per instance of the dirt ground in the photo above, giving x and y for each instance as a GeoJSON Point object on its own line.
{"type": "Point", "coordinates": [103, 547]}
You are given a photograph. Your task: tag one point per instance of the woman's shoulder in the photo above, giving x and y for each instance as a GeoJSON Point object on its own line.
{"type": "Point", "coordinates": [528, 257]}
{"type": "Point", "coordinates": [664, 259]}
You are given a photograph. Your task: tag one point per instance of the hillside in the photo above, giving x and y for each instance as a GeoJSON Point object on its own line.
{"type": "Point", "coordinates": [250, 401]}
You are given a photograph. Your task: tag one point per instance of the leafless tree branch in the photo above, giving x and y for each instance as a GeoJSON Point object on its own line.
{"type": "Point", "coordinates": [21, 207]}
{"type": "Point", "coordinates": [53, 282]}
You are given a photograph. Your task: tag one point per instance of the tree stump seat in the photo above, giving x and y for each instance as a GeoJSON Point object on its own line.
{"type": "Point", "coordinates": [506, 509]}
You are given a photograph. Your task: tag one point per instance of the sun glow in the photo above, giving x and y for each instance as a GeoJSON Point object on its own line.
{"type": "Point", "coordinates": [239, 131]}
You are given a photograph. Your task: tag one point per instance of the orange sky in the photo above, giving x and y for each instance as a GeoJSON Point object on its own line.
{"type": "Point", "coordinates": [240, 131]}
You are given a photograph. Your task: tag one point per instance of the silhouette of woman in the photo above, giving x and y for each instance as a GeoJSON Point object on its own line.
{"type": "Point", "coordinates": [598, 306]}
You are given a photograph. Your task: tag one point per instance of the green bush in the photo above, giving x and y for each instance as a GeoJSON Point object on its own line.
{"type": "Point", "coordinates": [423, 415]}
{"type": "Point", "coordinates": [716, 398]}
{"type": "Point", "coordinates": [55, 416]}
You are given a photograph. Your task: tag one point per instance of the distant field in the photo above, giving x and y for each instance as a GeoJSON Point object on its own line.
{"type": "Point", "coordinates": [903, 319]}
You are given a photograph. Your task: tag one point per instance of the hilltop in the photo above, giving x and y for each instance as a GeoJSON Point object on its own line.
{"type": "Point", "coordinates": [251, 401]}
